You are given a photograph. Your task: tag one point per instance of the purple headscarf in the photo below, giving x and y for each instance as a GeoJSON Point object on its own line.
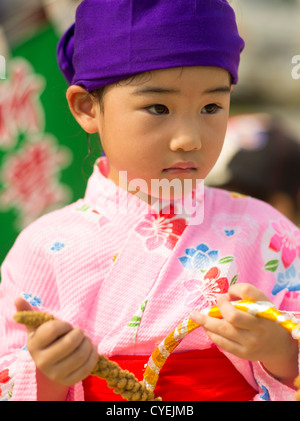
{"type": "Point", "coordinates": [112, 40]}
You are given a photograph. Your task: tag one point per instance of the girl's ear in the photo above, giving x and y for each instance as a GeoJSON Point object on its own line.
{"type": "Point", "coordinates": [83, 107]}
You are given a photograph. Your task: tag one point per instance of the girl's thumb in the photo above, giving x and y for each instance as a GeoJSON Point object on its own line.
{"type": "Point", "coordinates": [23, 305]}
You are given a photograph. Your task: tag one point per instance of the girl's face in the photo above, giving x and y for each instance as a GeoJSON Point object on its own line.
{"type": "Point", "coordinates": [169, 124]}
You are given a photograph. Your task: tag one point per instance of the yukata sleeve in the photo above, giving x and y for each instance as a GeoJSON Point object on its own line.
{"type": "Point", "coordinates": [281, 252]}
{"type": "Point", "coordinates": [26, 273]}
{"type": "Point", "coordinates": [271, 389]}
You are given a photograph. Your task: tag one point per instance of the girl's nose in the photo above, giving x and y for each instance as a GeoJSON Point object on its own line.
{"type": "Point", "coordinates": [187, 138]}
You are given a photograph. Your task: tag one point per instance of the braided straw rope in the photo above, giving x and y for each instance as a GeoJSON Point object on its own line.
{"type": "Point", "coordinates": [125, 382]}
{"type": "Point", "coordinates": [122, 381]}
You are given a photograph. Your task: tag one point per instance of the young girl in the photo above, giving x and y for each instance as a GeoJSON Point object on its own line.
{"type": "Point", "coordinates": [122, 267]}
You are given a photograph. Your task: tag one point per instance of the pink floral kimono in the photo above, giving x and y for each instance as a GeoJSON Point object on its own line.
{"type": "Point", "coordinates": [128, 274]}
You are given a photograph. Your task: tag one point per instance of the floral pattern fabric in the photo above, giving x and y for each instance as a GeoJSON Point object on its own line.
{"type": "Point", "coordinates": [163, 229]}
{"type": "Point", "coordinates": [129, 277]}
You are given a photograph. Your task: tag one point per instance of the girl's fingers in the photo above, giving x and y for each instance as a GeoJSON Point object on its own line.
{"type": "Point", "coordinates": [237, 318]}
{"type": "Point", "coordinates": [68, 357]}
{"type": "Point", "coordinates": [228, 337]}
{"type": "Point", "coordinates": [63, 353]}
{"type": "Point", "coordinates": [226, 344]}
{"type": "Point", "coordinates": [84, 369]}
{"type": "Point", "coordinates": [46, 334]}
{"type": "Point", "coordinates": [77, 357]}
{"type": "Point", "coordinates": [76, 366]}
{"type": "Point", "coordinates": [222, 333]}
{"type": "Point", "coordinates": [233, 319]}
{"type": "Point", "coordinates": [244, 291]}
{"type": "Point", "coordinates": [63, 347]}
{"type": "Point", "coordinates": [216, 326]}
{"type": "Point", "coordinates": [23, 305]}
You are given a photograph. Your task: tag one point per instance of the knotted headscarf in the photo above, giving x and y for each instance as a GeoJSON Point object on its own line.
{"type": "Point", "coordinates": [112, 40]}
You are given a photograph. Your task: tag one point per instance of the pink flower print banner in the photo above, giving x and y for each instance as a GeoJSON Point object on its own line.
{"type": "Point", "coordinates": [20, 107]}
{"type": "Point", "coordinates": [30, 178]}
{"type": "Point", "coordinates": [31, 166]}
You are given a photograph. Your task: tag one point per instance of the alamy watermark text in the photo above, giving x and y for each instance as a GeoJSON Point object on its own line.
{"type": "Point", "coordinates": [296, 68]}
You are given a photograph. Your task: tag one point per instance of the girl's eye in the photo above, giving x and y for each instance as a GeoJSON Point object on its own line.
{"type": "Point", "coordinates": [158, 109]}
{"type": "Point", "coordinates": [210, 109]}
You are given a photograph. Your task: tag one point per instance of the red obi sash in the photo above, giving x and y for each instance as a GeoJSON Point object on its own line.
{"type": "Point", "coordinates": [205, 375]}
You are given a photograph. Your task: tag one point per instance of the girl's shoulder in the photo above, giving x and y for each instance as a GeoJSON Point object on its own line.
{"type": "Point", "coordinates": [55, 228]}
{"type": "Point", "coordinates": [228, 203]}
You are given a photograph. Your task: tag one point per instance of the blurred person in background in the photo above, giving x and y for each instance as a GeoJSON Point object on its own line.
{"type": "Point", "coordinates": [261, 158]}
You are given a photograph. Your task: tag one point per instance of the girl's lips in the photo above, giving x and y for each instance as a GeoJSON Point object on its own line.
{"type": "Point", "coordinates": [181, 167]}
{"type": "Point", "coordinates": [179, 170]}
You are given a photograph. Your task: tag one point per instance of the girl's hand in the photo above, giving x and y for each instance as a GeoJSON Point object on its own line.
{"type": "Point", "coordinates": [62, 354]}
{"type": "Point", "coordinates": [250, 337]}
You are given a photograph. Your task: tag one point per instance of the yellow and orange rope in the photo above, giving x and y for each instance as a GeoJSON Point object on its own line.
{"type": "Point", "coordinates": [264, 309]}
